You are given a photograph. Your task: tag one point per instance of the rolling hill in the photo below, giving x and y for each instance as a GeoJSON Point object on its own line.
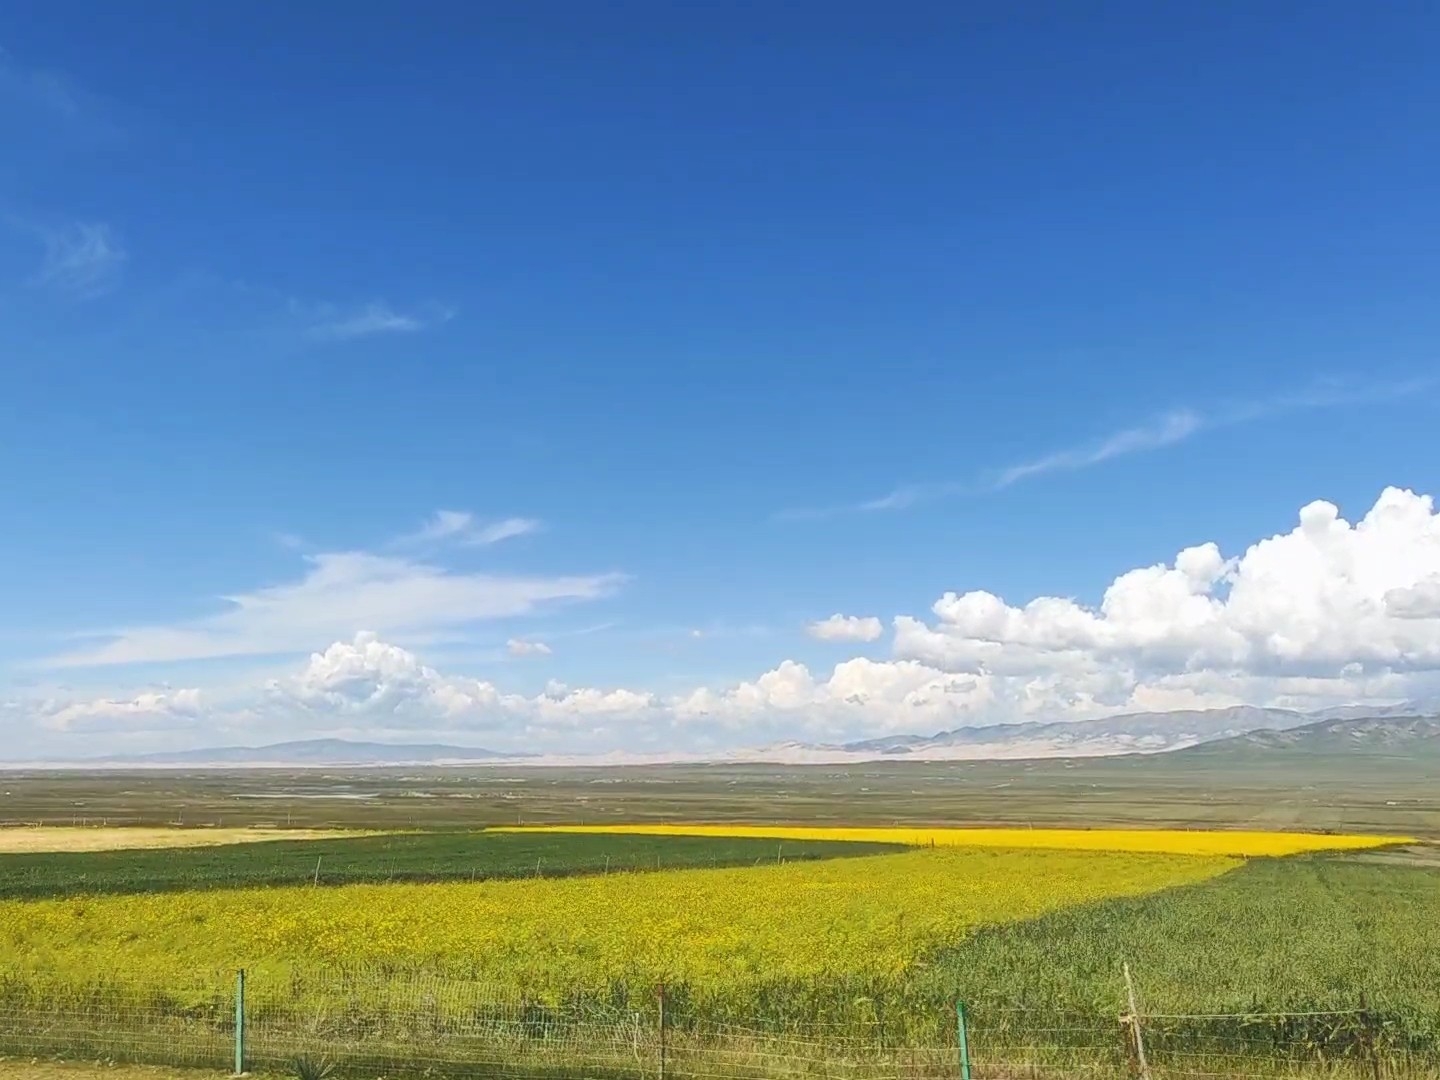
{"type": "Point", "coordinates": [1414, 738]}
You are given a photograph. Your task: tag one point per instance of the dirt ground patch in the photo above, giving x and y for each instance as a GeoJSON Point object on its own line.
{"type": "Point", "coordinates": [32, 838]}
{"type": "Point", "coordinates": [1410, 855]}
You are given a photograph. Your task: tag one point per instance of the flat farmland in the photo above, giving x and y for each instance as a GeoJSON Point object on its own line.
{"type": "Point", "coordinates": [720, 932]}
{"type": "Point", "coordinates": [494, 906]}
{"type": "Point", "coordinates": [330, 859]}
{"type": "Point", "coordinates": [1392, 795]}
{"type": "Point", "coordinates": [21, 840]}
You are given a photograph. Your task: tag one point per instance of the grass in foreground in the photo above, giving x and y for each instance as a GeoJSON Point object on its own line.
{"type": "Point", "coordinates": [1293, 935]}
{"type": "Point", "coordinates": [395, 857]}
{"type": "Point", "coordinates": [1302, 935]}
{"type": "Point", "coordinates": [1163, 841]}
{"type": "Point", "coordinates": [868, 918]}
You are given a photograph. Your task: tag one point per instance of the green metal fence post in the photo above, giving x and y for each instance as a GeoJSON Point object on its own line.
{"type": "Point", "coordinates": [240, 1022]}
{"type": "Point", "coordinates": [661, 995]}
{"type": "Point", "coordinates": [962, 1029]}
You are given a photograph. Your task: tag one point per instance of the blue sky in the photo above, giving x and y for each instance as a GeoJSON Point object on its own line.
{"type": "Point", "coordinates": [742, 317]}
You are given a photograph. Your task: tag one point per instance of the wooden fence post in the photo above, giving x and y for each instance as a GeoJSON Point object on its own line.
{"type": "Point", "coordinates": [1136, 1034]}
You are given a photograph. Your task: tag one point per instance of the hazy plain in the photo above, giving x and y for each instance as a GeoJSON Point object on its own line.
{"type": "Point", "coordinates": [1186, 789]}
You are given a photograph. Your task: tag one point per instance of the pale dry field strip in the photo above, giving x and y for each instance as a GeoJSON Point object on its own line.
{"type": "Point", "coordinates": [32, 839]}
{"type": "Point", "coordinates": [1137, 841]}
{"type": "Point", "coordinates": [46, 1069]}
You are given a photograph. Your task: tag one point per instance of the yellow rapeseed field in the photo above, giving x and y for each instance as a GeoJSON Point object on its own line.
{"type": "Point", "coordinates": [869, 916]}
{"type": "Point", "coordinates": [1153, 841]}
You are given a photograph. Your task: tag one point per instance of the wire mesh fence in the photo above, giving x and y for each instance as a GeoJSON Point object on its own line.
{"type": "Point", "coordinates": [368, 1025]}
{"type": "Point", "coordinates": [183, 1025]}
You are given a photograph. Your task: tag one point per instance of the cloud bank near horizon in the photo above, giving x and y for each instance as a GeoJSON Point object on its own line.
{"type": "Point", "coordinates": [1331, 612]}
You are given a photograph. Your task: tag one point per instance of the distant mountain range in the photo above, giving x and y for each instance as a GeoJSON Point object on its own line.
{"type": "Point", "coordinates": [1405, 728]}
{"type": "Point", "coordinates": [1414, 737]}
{"type": "Point", "coordinates": [1129, 733]}
{"type": "Point", "coordinates": [319, 752]}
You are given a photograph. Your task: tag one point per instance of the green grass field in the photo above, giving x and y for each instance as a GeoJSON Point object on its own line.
{"type": "Point", "coordinates": [1303, 934]}
{"type": "Point", "coordinates": [409, 857]}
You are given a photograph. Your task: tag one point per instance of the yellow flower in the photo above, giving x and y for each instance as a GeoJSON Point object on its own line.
{"type": "Point", "coordinates": [709, 928]}
{"type": "Point", "coordinates": [1167, 841]}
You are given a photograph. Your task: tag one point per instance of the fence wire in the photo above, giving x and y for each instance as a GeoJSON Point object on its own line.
{"type": "Point", "coordinates": [392, 1026]}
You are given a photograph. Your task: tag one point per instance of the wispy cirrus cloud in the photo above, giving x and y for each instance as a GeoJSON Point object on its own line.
{"type": "Point", "coordinates": [327, 322]}
{"type": "Point", "coordinates": [1164, 430]}
{"type": "Point", "coordinates": [404, 591]}
{"type": "Point", "coordinates": [46, 92]}
{"type": "Point", "coordinates": [464, 528]}
{"type": "Point", "coordinates": [82, 259]}
{"type": "Point", "coordinates": [38, 102]}
{"type": "Point", "coordinates": [339, 593]}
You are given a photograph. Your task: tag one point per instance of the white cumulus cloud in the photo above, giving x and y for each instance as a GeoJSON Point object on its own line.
{"type": "Point", "coordinates": [519, 647]}
{"type": "Point", "coordinates": [383, 683]}
{"type": "Point", "coordinates": [367, 684]}
{"type": "Point", "coordinates": [1329, 601]}
{"type": "Point", "coordinates": [149, 710]}
{"type": "Point", "coordinates": [859, 697]}
{"type": "Point", "coordinates": [846, 628]}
